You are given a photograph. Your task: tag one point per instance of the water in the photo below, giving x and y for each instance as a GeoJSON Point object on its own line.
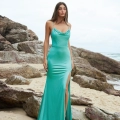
{"type": "Point", "coordinates": [116, 84]}
{"type": "Point", "coordinates": [115, 56]}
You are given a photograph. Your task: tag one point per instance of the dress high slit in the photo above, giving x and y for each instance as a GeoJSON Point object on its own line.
{"type": "Point", "coordinates": [59, 68]}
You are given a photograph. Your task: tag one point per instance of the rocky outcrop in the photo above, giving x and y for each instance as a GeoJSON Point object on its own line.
{"type": "Point", "coordinates": [78, 115]}
{"type": "Point", "coordinates": [17, 80]}
{"type": "Point", "coordinates": [83, 67]}
{"type": "Point", "coordinates": [75, 100]}
{"type": "Point", "coordinates": [25, 71]}
{"type": "Point", "coordinates": [15, 32]}
{"type": "Point", "coordinates": [6, 25]}
{"type": "Point", "coordinates": [112, 92]}
{"type": "Point", "coordinates": [19, 57]}
{"type": "Point", "coordinates": [33, 47]}
{"type": "Point", "coordinates": [5, 45]}
{"type": "Point", "coordinates": [31, 35]}
{"type": "Point", "coordinates": [94, 113]}
{"type": "Point", "coordinates": [92, 83]}
{"type": "Point", "coordinates": [17, 35]}
{"type": "Point", "coordinates": [12, 33]}
{"type": "Point", "coordinates": [100, 61]}
{"type": "Point", "coordinates": [14, 97]}
{"type": "Point", "coordinates": [32, 105]}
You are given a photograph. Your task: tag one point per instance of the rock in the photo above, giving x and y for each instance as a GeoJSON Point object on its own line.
{"type": "Point", "coordinates": [117, 115]}
{"type": "Point", "coordinates": [5, 45]}
{"type": "Point", "coordinates": [83, 67]}
{"type": "Point", "coordinates": [6, 25]}
{"type": "Point", "coordinates": [14, 97]}
{"type": "Point", "coordinates": [78, 115]}
{"type": "Point", "coordinates": [15, 32]}
{"type": "Point", "coordinates": [19, 57]}
{"type": "Point", "coordinates": [88, 82]}
{"type": "Point", "coordinates": [94, 113]}
{"type": "Point", "coordinates": [100, 61]}
{"type": "Point", "coordinates": [112, 92]}
{"type": "Point", "coordinates": [17, 35]}
{"type": "Point", "coordinates": [15, 46]}
{"type": "Point", "coordinates": [33, 47]}
{"type": "Point", "coordinates": [25, 71]}
{"type": "Point", "coordinates": [115, 76]}
{"type": "Point", "coordinates": [31, 35]}
{"type": "Point", "coordinates": [17, 80]}
{"type": "Point", "coordinates": [32, 105]}
{"type": "Point", "coordinates": [74, 52]}
{"type": "Point", "coordinates": [80, 100]}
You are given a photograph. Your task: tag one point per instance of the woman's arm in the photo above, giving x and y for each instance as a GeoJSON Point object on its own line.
{"type": "Point", "coordinates": [70, 50]}
{"type": "Point", "coordinates": [70, 46]}
{"type": "Point", "coordinates": [46, 41]}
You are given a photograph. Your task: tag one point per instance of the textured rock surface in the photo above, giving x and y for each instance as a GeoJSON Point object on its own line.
{"type": "Point", "coordinates": [14, 97]}
{"type": "Point", "coordinates": [25, 71]}
{"type": "Point", "coordinates": [100, 61]}
{"type": "Point", "coordinates": [92, 83]}
{"type": "Point", "coordinates": [83, 67]}
{"type": "Point", "coordinates": [94, 113]}
{"type": "Point", "coordinates": [17, 80]}
{"type": "Point", "coordinates": [5, 45]}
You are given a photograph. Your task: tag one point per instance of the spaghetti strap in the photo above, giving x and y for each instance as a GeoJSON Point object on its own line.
{"type": "Point", "coordinates": [53, 25]}
{"type": "Point", "coordinates": [68, 27]}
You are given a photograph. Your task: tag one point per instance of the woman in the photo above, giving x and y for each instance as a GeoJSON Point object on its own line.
{"type": "Point", "coordinates": [58, 63]}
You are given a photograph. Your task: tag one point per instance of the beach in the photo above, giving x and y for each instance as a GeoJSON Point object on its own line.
{"type": "Point", "coordinates": [99, 99]}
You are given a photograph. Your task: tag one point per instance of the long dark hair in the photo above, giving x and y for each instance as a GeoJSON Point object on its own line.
{"type": "Point", "coordinates": [55, 13]}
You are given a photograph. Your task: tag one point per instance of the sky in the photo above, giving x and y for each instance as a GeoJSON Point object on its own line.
{"type": "Point", "coordinates": [95, 23]}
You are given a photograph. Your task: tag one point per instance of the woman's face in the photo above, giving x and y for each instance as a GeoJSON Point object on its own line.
{"type": "Point", "coordinates": [61, 10]}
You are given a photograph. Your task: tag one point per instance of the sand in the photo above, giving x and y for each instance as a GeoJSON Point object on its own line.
{"type": "Point", "coordinates": [99, 99]}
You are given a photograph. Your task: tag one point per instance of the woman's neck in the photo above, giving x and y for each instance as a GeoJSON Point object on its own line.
{"type": "Point", "coordinates": [60, 20]}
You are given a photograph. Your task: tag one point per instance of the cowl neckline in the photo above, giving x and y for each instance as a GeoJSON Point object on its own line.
{"type": "Point", "coordinates": [60, 31]}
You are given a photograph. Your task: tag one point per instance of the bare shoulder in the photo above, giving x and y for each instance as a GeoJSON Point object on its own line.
{"type": "Point", "coordinates": [49, 23]}
{"type": "Point", "coordinates": [70, 25]}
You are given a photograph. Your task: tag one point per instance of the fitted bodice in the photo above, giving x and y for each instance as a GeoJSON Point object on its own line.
{"type": "Point", "coordinates": [60, 38]}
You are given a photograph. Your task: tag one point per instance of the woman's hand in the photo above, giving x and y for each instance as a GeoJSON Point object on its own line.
{"type": "Point", "coordinates": [45, 65]}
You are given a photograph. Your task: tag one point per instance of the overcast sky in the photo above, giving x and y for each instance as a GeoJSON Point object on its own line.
{"type": "Point", "coordinates": [95, 23]}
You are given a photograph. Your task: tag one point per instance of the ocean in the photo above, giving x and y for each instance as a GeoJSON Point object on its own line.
{"type": "Point", "coordinates": [115, 56]}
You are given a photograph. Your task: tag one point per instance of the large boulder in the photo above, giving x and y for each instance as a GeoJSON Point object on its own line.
{"type": "Point", "coordinates": [112, 92]}
{"type": "Point", "coordinates": [31, 35]}
{"type": "Point", "coordinates": [100, 61]}
{"type": "Point", "coordinates": [5, 45]}
{"type": "Point", "coordinates": [92, 83]}
{"type": "Point", "coordinates": [17, 35]}
{"type": "Point", "coordinates": [26, 71]}
{"type": "Point", "coordinates": [19, 57]}
{"type": "Point", "coordinates": [78, 115]}
{"type": "Point", "coordinates": [75, 100]}
{"type": "Point", "coordinates": [7, 24]}
{"type": "Point", "coordinates": [33, 47]}
{"type": "Point", "coordinates": [32, 105]}
{"type": "Point", "coordinates": [17, 80]}
{"type": "Point", "coordinates": [83, 67]}
{"type": "Point", "coordinates": [94, 113]}
{"type": "Point", "coordinates": [14, 97]}
{"type": "Point", "coordinates": [15, 32]}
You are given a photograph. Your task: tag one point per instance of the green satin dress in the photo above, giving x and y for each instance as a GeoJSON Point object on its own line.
{"type": "Point", "coordinates": [59, 67]}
